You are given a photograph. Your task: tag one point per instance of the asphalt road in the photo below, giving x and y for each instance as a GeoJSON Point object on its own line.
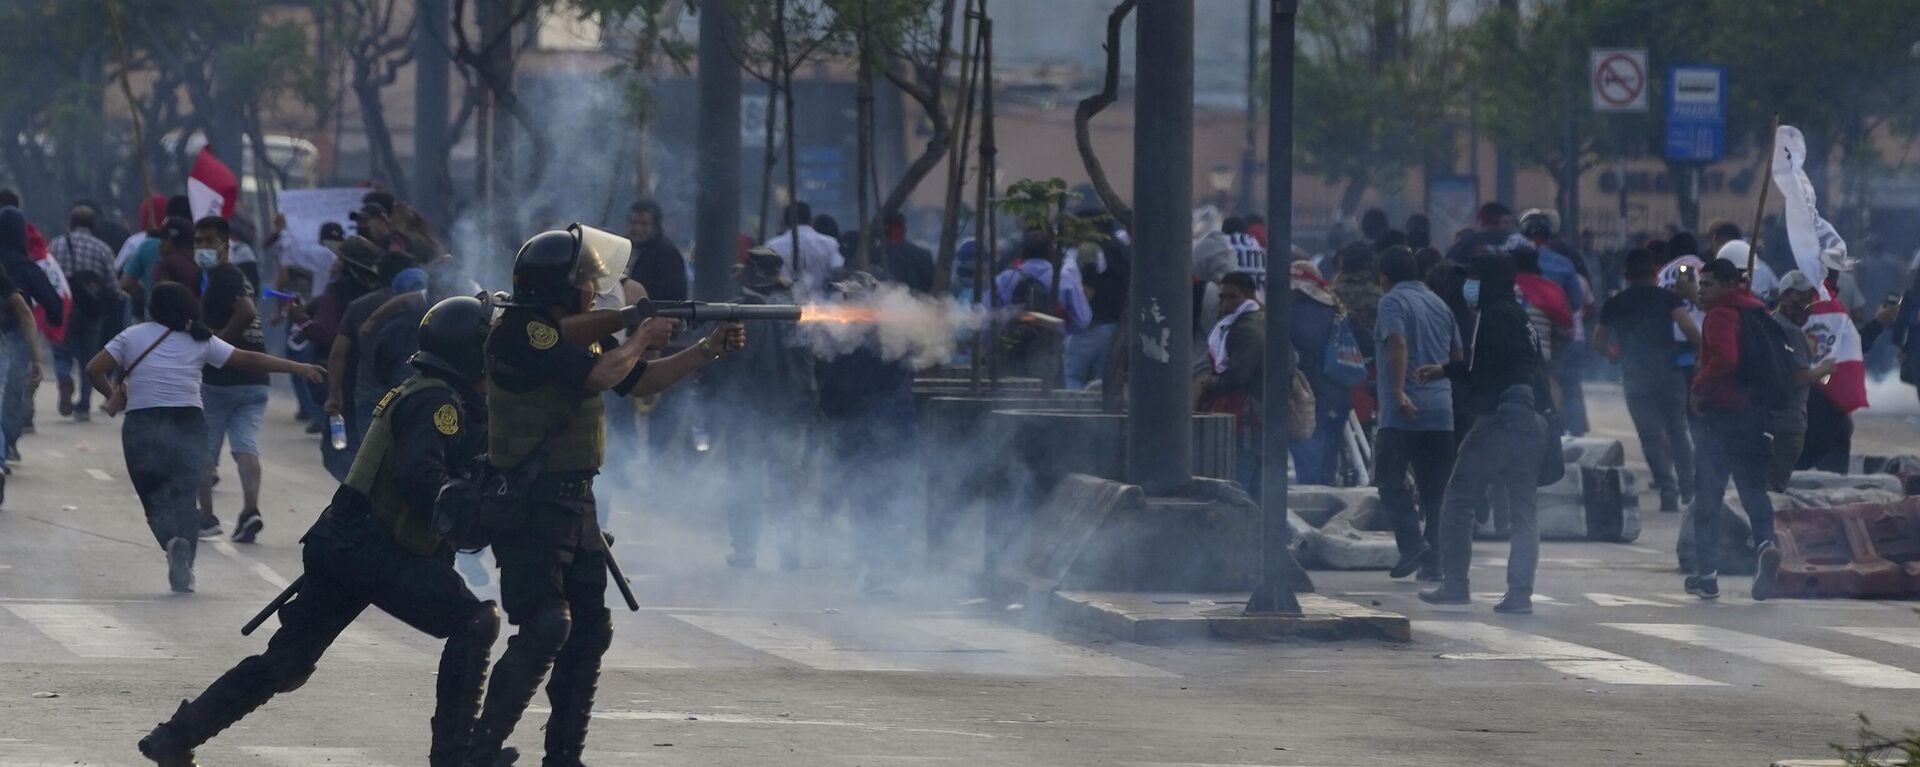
{"type": "Point", "coordinates": [721, 667]}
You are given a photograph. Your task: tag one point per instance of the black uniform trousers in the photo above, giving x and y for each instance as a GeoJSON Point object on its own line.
{"type": "Point", "coordinates": [349, 566]}
{"type": "Point", "coordinates": [553, 581]}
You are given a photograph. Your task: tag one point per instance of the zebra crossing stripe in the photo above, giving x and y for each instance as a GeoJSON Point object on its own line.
{"type": "Point", "coordinates": [307, 756]}
{"type": "Point", "coordinates": [89, 632]}
{"type": "Point", "coordinates": [1812, 661]}
{"type": "Point", "coordinates": [1909, 637]}
{"type": "Point", "coordinates": [1565, 657]}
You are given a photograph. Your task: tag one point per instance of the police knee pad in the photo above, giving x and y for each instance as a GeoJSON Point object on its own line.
{"type": "Point", "coordinates": [483, 625]}
{"type": "Point", "coordinates": [593, 632]}
{"type": "Point", "coordinates": [547, 630]}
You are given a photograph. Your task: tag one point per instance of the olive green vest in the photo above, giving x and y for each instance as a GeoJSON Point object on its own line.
{"type": "Point", "coordinates": [372, 474]}
{"type": "Point", "coordinates": [516, 422]}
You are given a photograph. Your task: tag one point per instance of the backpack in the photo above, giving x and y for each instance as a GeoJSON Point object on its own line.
{"type": "Point", "coordinates": [1029, 294]}
{"type": "Point", "coordinates": [1343, 363]}
{"type": "Point", "coordinates": [1765, 371]}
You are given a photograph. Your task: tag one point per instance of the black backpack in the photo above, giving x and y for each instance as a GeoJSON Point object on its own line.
{"type": "Point", "coordinates": [1766, 368]}
{"type": "Point", "coordinates": [1029, 294]}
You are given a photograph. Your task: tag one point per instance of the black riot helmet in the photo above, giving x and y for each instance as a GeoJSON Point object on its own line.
{"type": "Point", "coordinates": [552, 266]}
{"type": "Point", "coordinates": [453, 337]}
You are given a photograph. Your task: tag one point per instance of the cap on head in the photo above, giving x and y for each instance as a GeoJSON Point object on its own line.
{"type": "Point", "coordinates": [1795, 281]}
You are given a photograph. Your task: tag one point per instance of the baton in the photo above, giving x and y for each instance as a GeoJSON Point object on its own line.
{"type": "Point", "coordinates": [619, 578]}
{"type": "Point", "coordinates": [273, 606]}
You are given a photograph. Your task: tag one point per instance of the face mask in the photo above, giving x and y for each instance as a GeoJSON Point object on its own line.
{"type": "Point", "coordinates": [1472, 292]}
{"type": "Point", "coordinates": [206, 257]}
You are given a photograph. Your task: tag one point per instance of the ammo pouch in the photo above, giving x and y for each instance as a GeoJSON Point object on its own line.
{"type": "Point", "coordinates": [490, 502]}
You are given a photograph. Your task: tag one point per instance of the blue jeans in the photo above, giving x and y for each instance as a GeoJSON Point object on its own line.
{"type": "Point", "coordinates": [1315, 457]}
{"type": "Point", "coordinates": [84, 339]}
{"type": "Point", "coordinates": [1086, 355]}
{"type": "Point", "coordinates": [1573, 401]}
{"type": "Point", "coordinates": [7, 365]}
{"type": "Point", "coordinates": [13, 418]}
{"type": "Point", "coordinates": [310, 395]}
{"type": "Point", "coordinates": [1247, 458]}
{"type": "Point", "coordinates": [1732, 445]}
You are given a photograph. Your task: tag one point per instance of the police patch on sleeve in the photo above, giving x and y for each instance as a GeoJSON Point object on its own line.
{"type": "Point", "coordinates": [542, 336]}
{"type": "Point", "coordinates": [447, 420]}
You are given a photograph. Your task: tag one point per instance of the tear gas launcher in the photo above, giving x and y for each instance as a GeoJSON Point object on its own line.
{"type": "Point", "coordinates": [592, 326]}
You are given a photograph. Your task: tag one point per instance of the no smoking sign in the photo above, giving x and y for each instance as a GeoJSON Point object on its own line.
{"type": "Point", "coordinates": [1618, 77]}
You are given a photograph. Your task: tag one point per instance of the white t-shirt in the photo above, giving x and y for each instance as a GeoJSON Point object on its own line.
{"type": "Point", "coordinates": [170, 376]}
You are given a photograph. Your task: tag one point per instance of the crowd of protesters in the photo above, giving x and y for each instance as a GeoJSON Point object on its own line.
{"type": "Point", "coordinates": [1728, 373]}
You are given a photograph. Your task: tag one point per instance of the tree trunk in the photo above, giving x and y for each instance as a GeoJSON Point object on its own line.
{"type": "Point", "coordinates": [957, 164]}
{"type": "Point", "coordinates": [771, 155]}
{"type": "Point", "coordinates": [1350, 199]}
{"type": "Point", "coordinates": [373, 120]}
{"type": "Point", "coordinates": [863, 135]}
{"type": "Point", "coordinates": [1090, 106]}
{"type": "Point", "coordinates": [1680, 177]}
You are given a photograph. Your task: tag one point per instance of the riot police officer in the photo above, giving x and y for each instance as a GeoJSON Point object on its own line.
{"type": "Point", "coordinates": [376, 545]}
{"type": "Point", "coordinates": [544, 379]}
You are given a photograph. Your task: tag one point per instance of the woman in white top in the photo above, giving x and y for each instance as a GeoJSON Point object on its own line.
{"type": "Point", "coordinates": [165, 431]}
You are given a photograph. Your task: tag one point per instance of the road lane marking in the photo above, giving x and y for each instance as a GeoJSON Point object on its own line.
{"type": "Point", "coordinates": [90, 632]}
{"type": "Point", "coordinates": [309, 756]}
{"type": "Point", "coordinates": [1616, 600]}
{"type": "Point", "coordinates": [1812, 661]}
{"type": "Point", "coordinates": [785, 639]}
{"type": "Point", "coordinates": [1565, 657]}
{"type": "Point", "coordinates": [1909, 637]}
{"type": "Point", "coordinates": [99, 475]}
{"type": "Point", "coordinates": [694, 717]}
{"type": "Point", "coordinates": [1030, 653]}
{"type": "Point", "coordinates": [356, 642]}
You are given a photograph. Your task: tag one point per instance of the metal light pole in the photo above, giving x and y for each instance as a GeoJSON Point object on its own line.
{"type": "Point", "coordinates": [1248, 160]}
{"type": "Point", "coordinates": [430, 63]}
{"type": "Point", "coordinates": [716, 216]}
{"type": "Point", "coordinates": [1274, 592]}
{"type": "Point", "coordinates": [1160, 427]}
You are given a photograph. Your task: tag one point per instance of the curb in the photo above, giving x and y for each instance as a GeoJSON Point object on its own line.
{"type": "Point", "coordinates": [1160, 617]}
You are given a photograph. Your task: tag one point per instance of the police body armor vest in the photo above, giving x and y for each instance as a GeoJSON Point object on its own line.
{"type": "Point", "coordinates": [517, 421]}
{"type": "Point", "coordinates": [372, 473]}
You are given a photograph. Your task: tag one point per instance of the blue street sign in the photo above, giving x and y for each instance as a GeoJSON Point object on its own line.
{"type": "Point", "coordinates": [1696, 113]}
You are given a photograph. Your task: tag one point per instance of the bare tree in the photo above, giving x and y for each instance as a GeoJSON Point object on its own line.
{"type": "Point", "coordinates": [1092, 105]}
{"type": "Point", "coordinates": [916, 63]}
{"type": "Point", "coordinates": [377, 48]}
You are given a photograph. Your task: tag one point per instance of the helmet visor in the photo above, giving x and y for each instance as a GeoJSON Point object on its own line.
{"type": "Point", "coordinates": [603, 259]}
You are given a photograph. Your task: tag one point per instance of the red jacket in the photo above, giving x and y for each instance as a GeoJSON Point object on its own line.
{"type": "Point", "coordinates": [1714, 381]}
{"type": "Point", "coordinates": [1541, 293]}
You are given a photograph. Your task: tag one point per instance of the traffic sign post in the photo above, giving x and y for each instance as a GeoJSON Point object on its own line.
{"type": "Point", "coordinates": [1696, 113]}
{"type": "Point", "coordinates": [1619, 79]}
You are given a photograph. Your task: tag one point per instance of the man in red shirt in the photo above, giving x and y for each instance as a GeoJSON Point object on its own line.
{"type": "Point", "coordinates": [1733, 440]}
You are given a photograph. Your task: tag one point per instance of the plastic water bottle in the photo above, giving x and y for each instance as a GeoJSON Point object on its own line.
{"type": "Point", "coordinates": [337, 429]}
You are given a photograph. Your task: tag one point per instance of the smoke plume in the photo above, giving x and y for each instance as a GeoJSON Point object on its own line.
{"type": "Point", "coordinates": [922, 330]}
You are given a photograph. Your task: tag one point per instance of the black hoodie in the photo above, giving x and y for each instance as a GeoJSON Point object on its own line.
{"type": "Point", "coordinates": [33, 283]}
{"type": "Point", "coordinates": [1505, 351]}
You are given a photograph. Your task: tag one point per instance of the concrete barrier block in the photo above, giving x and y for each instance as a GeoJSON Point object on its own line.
{"type": "Point", "coordinates": [1593, 451]}
{"type": "Point", "coordinates": [1824, 480]}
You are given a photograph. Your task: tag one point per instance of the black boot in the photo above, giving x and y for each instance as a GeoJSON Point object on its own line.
{"type": "Point", "coordinates": [167, 746]}
{"type": "Point", "coordinates": [1449, 593]}
{"type": "Point", "coordinates": [515, 679]}
{"type": "Point", "coordinates": [463, 674]}
{"type": "Point", "coordinates": [576, 676]}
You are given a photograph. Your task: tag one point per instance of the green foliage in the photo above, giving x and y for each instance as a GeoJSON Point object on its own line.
{"type": "Point", "coordinates": [1879, 750]}
{"type": "Point", "coordinates": [1040, 205]}
{"type": "Point", "coordinates": [1365, 112]}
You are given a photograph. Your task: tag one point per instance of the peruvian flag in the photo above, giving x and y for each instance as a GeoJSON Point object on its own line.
{"type": "Point", "coordinates": [212, 189]}
{"type": "Point", "coordinates": [1816, 247]}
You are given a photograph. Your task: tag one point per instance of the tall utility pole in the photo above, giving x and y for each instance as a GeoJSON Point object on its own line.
{"type": "Point", "coordinates": [716, 217]}
{"type": "Point", "coordinates": [1248, 159]}
{"type": "Point", "coordinates": [1160, 428]}
{"type": "Point", "coordinates": [430, 62]}
{"type": "Point", "coordinates": [1503, 160]}
{"type": "Point", "coordinates": [1274, 592]}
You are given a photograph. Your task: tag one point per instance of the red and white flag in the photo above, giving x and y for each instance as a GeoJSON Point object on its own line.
{"type": "Point", "coordinates": [1817, 250]}
{"type": "Point", "coordinates": [212, 189]}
